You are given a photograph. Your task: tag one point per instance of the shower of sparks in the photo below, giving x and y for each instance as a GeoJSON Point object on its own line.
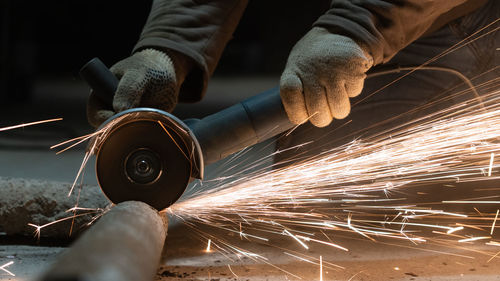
{"type": "Point", "coordinates": [3, 268]}
{"type": "Point", "coordinates": [94, 137]}
{"type": "Point", "coordinates": [30, 124]}
{"type": "Point", "coordinates": [447, 145]}
{"type": "Point", "coordinates": [78, 140]}
{"type": "Point", "coordinates": [353, 188]}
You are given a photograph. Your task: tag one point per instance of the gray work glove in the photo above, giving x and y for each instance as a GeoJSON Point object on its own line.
{"type": "Point", "coordinates": [323, 71]}
{"type": "Point", "coordinates": [149, 78]}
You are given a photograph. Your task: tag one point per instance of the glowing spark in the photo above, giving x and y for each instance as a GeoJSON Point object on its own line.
{"type": "Point", "coordinates": [445, 233]}
{"type": "Point", "coordinates": [29, 124]}
{"type": "Point", "coordinates": [322, 242]}
{"type": "Point", "coordinates": [95, 136]}
{"type": "Point", "coordinates": [3, 268]}
{"type": "Point", "coordinates": [38, 228]}
{"type": "Point", "coordinates": [295, 237]}
{"type": "Point", "coordinates": [454, 229]}
{"type": "Point", "coordinates": [355, 229]}
{"type": "Point", "coordinates": [493, 243]}
{"type": "Point", "coordinates": [173, 139]}
{"type": "Point", "coordinates": [473, 239]}
{"type": "Point", "coordinates": [320, 268]}
{"type": "Point", "coordinates": [232, 271]}
{"type": "Point", "coordinates": [352, 277]}
{"type": "Point", "coordinates": [493, 224]}
{"type": "Point", "coordinates": [471, 202]}
{"type": "Point", "coordinates": [493, 257]}
{"type": "Point", "coordinates": [299, 258]}
{"type": "Point", "coordinates": [434, 212]}
{"type": "Point", "coordinates": [491, 164]}
{"type": "Point", "coordinates": [73, 209]}
{"type": "Point", "coordinates": [208, 245]}
{"type": "Point", "coordinates": [302, 122]}
{"type": "Point", "coordinates": [75, 142]}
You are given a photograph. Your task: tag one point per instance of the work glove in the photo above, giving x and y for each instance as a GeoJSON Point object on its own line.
{"type": "Point", "coordinates": [149, 78]}
{"type": "Point", "coordinates": [323, 71]}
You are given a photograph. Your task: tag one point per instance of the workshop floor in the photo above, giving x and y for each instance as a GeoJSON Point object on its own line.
{"type": "Point", "coordinates": [25, 154]}
{"type": "Point", "coordinates": [365, 261]}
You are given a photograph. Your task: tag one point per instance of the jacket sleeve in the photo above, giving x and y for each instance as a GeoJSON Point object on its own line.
{"type": "Point", "coordinates": [198, 29]}
{"type": "Point", "coordinates": [385, 27]}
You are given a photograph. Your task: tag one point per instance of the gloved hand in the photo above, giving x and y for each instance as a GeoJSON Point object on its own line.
{"type": "Point", "coordinates": [323, 71]}
{"type": "Point", "coordinates": [148, 78]}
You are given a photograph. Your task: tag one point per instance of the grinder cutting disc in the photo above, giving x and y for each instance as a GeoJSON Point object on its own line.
{"type": "Point", "coordinates": [146, 155]}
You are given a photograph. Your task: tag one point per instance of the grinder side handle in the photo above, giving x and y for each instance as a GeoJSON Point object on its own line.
{"type": "Point", "coordinates": [251, 121]}
{"type": "Point", "coordinates": [102, 81]}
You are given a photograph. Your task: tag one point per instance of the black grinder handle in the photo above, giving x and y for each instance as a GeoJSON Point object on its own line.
{"type": "Point", "coordinates": [251, 121]}
{"type": "Point", "coordinates": [100, 79]}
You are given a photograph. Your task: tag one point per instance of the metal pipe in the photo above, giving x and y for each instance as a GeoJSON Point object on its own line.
{"type": "Point", "coordinates": [125, 244]}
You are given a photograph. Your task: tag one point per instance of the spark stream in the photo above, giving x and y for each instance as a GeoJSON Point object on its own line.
{"type": "Point", "coordinates": [447, 146]}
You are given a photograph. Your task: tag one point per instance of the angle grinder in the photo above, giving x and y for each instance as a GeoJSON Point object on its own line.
{"type": "Point", "coordinates": [149, 155]}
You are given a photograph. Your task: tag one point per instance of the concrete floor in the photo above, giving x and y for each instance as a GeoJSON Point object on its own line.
{"type": "Point", "coordinates": [366, 260]}
{"type": "Point", "coordinates": [24, 153]}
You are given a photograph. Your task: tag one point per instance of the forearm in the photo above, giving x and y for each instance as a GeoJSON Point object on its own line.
{"type": "Point", "coordinates": [384, 27]}
{"type": "Point", "coordinates": [200, 31]}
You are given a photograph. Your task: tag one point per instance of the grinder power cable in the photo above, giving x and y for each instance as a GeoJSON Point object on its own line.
{"type": "Point", "coordinates": [150, 155]}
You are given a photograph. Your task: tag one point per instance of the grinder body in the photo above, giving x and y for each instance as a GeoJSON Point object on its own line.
{"type": "Point", "coordinates": [150, 155]}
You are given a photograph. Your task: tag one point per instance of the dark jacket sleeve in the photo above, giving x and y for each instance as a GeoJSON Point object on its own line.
{"type": "Point", "coordinates": [385, 27]}
{"type": "Point", "coordinates": [198, 29]}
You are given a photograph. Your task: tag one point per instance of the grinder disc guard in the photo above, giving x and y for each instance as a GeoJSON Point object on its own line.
{"type": "Point", "coordinates": [146, 155]}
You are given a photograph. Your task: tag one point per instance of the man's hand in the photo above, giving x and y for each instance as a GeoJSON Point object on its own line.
{"type": "Point", "coordinates": [323, 71]}
{"type": "Point", "coordinates": [149, 78]}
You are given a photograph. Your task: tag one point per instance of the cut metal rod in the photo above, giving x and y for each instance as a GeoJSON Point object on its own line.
{"type": "Point", "coordinates": [125, 244]}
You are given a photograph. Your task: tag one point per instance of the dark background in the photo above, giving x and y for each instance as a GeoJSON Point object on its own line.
{"type": "Point", "coordinates": [55, 38]}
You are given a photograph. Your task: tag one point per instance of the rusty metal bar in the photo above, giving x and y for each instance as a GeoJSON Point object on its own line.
{"type": "Point", "coordinates": [125, 244]}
